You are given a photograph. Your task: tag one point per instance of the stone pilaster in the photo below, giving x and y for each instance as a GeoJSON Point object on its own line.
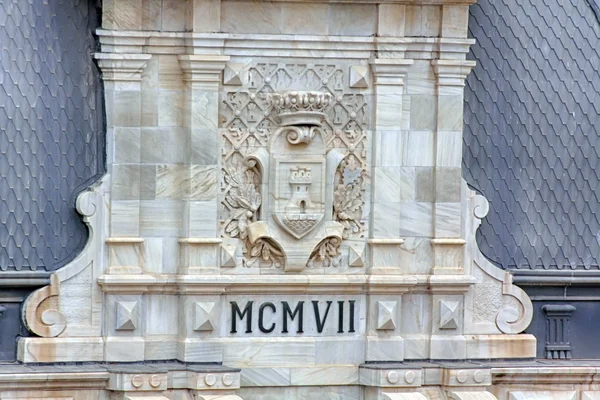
{"type": "Point", "coordinates": [122, 75]}
{"type": "Point", "coordinates": [199, 243]}
{"type": "Point", "coordinates": [389, 86]}
{"type": "Point", "coordinates": [383, 326]}
{"type": "Point", "coordinates": [448, 243]}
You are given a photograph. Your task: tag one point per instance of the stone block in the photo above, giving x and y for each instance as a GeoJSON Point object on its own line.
{"type": "Point", "coordinates": [205, 16]}
{"type": "Point", "coordinates": [422, 113]}
{"type": "Point", "coordinates": [204, 145]}
{"type": "Point", "coordinates": [455, 20]}
{"type": "Point", "coordinates": [448, 183]}
{"type": "Point", "coordinates": [417, 148]}
{"type": "Point", "coordinates": [127, 108]}
{"type": "Point", "coordinates": [243, 17]}
{"type": "Point", "coordinates": [123, 349]}
{"type": "Point", "coordinates": [170, 108]}
{"type": "Point", "coordinates": [127, 145]}
{"type": "Point", "coordinates": [416, 219]}
{"type": "Point", "coordinates": [391, 20]}
{"type": "Point", "coordinates": [161, 217]}
{"type": "Point", "coordinates": [425, 187]}
{"type": "Point", "coordinates": [125, 182]}
{"type": "Point", "coordinates": [305, 18]}
{"type": "Point", "coordinates": [161, 315]}
{"type": "Point", "coordinates": [450, 113]}
{"type": "Point", "coordinates": [386, 220]}
{"type": "Point", "coordinates": [385, 349]}
{"type": "Point", "coordinates": [448, 220]}
{"type": "Point", "coordinates": [124, 218]}
{"type": "Point", "coordinates": [174, 15]}
{"type": "Point", "coordinates": [449, 149]}
{"type": "Point", "coordinates": [352, 19]}
{"type": "Point", "coordinates": [164, 145]}
{"type": "Point", "coordinates": [151, 15]}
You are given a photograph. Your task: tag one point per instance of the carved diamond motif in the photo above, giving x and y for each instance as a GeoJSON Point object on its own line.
{"type": "Point", "coordinates": [204, 316]}
{"type": "Point", "coordinates": [232, 74]}
{"type": "Point", "coordinates": [386, 315]}
{"type": "Point", "coordinates": [449, 314]}
{"type": "Point", "coordinates": [359, 77]}
{"type": "Point", "coordinates": [227, 256]}
{"type": "Point", "coordinates": [126, 315]}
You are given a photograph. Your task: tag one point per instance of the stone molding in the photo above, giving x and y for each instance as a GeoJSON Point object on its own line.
{"type": "Point", "coordinates": [284, 284]}
{"type": "Point", "coordinates": [306, 46]}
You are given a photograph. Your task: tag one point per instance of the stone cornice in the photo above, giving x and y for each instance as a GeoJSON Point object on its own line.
{"type": "Point", "coordinates": [452, 72]}
{"type": "Point", "coordinates": [122, 67]}
{"type": "Point", "coordinates": [258, 45]}
{"type": "Point", "coordinates": [202, 68]}
{"type": "Point", "coordinates": [285, 284]}
{"type": "Point", "coordinates": [390, 71]}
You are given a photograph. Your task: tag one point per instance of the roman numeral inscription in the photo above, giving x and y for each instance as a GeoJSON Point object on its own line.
{"type": "Point", "coordinates": [283, 317]}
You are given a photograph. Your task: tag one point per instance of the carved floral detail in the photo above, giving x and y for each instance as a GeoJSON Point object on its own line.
{"type": "Point", "coordinates": [264, 251]}
{"type": "Point", "coordinates": [242, 199]}
{"type": "Point", "coordinates": [348, 200]}
{"type": "Point", "coordinates": [326, 254]}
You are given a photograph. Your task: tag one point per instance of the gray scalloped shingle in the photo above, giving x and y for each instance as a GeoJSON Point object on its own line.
{"type": "Point", "coordinates": [532, 122]}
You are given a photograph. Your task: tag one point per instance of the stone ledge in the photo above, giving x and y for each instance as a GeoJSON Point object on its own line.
{"type": "Point", "coordinates": [265, 45]}
{"type": "Point", "coordinates": [284, 284]}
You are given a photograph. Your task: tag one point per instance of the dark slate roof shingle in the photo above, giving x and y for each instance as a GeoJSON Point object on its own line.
{"type": "Point", "coordinates": [532, 123]}
{"type": "Point", "coordinates": [51, 129]}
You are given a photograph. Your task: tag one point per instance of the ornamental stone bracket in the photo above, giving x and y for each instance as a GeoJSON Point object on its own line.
{"type": "Point", "coordinates": [45, 311]}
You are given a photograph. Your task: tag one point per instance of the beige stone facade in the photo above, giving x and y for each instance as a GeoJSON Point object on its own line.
{"type": "Point", "coordinates": [284, 200]}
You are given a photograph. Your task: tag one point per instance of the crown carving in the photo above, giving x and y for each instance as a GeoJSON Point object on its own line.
{"type": "Point", "coordinates": [301, 108]}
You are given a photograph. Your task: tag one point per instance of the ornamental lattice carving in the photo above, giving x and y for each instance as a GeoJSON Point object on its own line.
{"type": "Point", "coordinates": [304, 100]}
